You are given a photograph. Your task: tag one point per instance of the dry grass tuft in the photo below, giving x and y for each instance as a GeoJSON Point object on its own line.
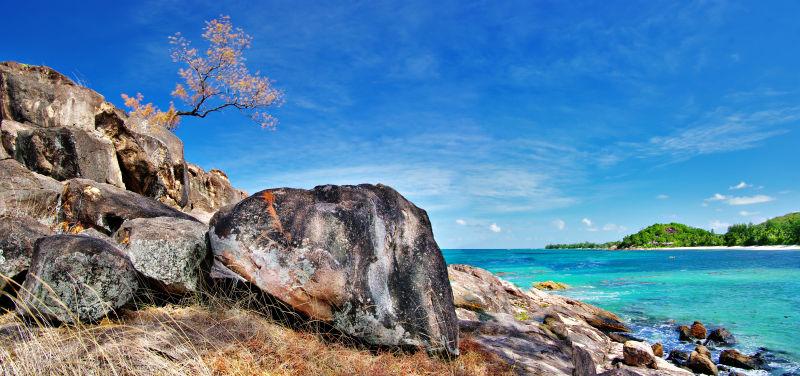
{"type": "Point", "coordinates": [207, 340]}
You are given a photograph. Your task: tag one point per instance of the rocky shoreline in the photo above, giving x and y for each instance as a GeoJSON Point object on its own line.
{"type": "Point", "coordinates": [101, 211]}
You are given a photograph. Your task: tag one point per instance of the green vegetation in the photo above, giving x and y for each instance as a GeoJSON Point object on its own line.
{"type": "Point", "coordinates": [784, 230]}
{"type": "Point", "coordinates": [584, 245]}
{"type": "Point", "coordinates": [671, 235]}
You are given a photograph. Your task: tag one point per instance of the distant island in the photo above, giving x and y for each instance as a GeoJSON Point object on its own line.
{"type": "Point", "coordinates": [783, 230]}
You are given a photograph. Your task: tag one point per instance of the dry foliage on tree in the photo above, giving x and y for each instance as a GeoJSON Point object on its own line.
{"type": "Point", "coordinates": [213, 80]}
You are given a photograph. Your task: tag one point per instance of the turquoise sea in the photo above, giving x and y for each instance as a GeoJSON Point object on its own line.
{"type": "Point", "coordinates": [754, 294]}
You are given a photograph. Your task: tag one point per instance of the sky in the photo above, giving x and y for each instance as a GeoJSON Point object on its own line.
{"type": "Point", "coordinates": [513, 124]}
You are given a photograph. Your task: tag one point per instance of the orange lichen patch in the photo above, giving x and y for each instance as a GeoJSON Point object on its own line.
{"type": "Point", "coordinates": [269, 198]}
{"type": "Point", "coordinates": [70, 228]}
{"type": "Point", "coordinates": [124, 237]}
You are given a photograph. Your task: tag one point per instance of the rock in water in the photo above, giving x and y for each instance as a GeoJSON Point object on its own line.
{"type": "Point", "coordinates": [721, 336]}
{"type": "Point", "coordinates": [550, 285]}
{"type": "Point", "coordinates": [685, 333]}
{"type": "Point", "coordinates": [87, 203]}
{"type": "Point", "coordinates": [168, 250]}
{"type": "Point", "coordinates": [26, 193]}
{"type": "Point", "coordinates": [76, 278]}
{"type": "Point", "coordinates": [362, 258]}
{"type": "Point", "coordinates": [639, 354]}
{"type": "Point", "coordinates": [658, 349]}
{"type": "Point", "coordinates": [734, 358]}
{"type": "Point", "coordinates": [698, 330]}
{"type": "Point", "coordinates": [17, 237]}
{"type": "Point", "coordinates": [700, 362]}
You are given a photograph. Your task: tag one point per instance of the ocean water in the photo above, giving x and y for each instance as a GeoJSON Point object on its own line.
{"type": "Point", "coordinates": [754, 294]}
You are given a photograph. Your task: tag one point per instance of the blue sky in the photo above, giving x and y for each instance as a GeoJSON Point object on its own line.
{"type": "Point", "coordinates": [514, 124]}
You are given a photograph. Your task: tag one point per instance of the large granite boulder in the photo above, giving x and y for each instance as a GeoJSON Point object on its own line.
{"type": "Point", "coordinates": [65, 153]}
{"type": "Point", "coordinates": [17, 237]}
{"type": "Point", "coordinates": [26, 193]}
{"type": "Point", "coordinates": [89, 204]}
{"type": "Point", "coordinates": [736, 359]}
{"type": "Point", "coordinates": [721, 336]}
{"type": "Point", "coordinates": [150, 157]}
{"type": "Point", "coordinates": [210, 191]}
{"type": "Point", "coordinates": [361, 258]}
{"type": "Point", "coordinates": [698, 330]}
{"type": "Point", "coordinates": [41, 96]}
{"type": "Point", "coordinates": [167, 250]}
{"type": "Point", "coordinates": [76, 278]}
{"type": "Point", "coordinates": [700, 362]}
{"type": "Point", "coordinates": [639, 354]}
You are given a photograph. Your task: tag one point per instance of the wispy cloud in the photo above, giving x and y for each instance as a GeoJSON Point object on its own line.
{"type": "Point", "coordinates": [662, 197]}
{"type": "Point", "coordinates": [559, 224]}
{"type": "Point", "coordinates": [719, 226]}
{"type": "Point", "coordinates": [587, 222]}
{"type": "Point", "coordinates": [495, 228]}
{"type": "Point", "coordinates": [461, 222]}
{"type": "Point", "coordinates": [741, 185]}
{"type": "Point", "coordinates": [749, 200]}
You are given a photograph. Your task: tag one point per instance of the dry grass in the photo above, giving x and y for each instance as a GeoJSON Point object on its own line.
{"type": "Point", "coordinates": [202, 338]}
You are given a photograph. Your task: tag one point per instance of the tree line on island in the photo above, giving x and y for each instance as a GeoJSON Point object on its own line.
{"type": "Point", "coordinates": [784, 230]}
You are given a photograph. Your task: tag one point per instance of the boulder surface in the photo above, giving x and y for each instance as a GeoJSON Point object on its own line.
{"type": "Point", "coordinates": [76, 278]}
{"type": "Point", "coordinates": [17, 237]}
{"type": "Point", "coordinates": [361, 258]}
{"type": "Point", "coordinates": [26, 193]}
{"type": "Point", "coordinates": [89, 204]}
{"type": "Point", "coordinates": [168, 250]}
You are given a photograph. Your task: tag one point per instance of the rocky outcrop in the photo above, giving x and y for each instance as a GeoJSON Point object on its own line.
{"type": "Point", "coordinates": [64, 153]}
{"type": "Point", "coordinates": [17, 237]}
{"type": "Point", "coordinates": [89, 204]}
{"type": "Point", "coordinates": [76, 278]}
{"type": "Point", "coordinates": [361, 258]}
{"type": "Point", "coordinates": [639, 354]}
{"type": "Point", "coordinates": [736, 359]}
{"type": "Point", "coordinates": [167, 250]}
{"type": "Point", "coordinates": [27, 194]}
{"type": "Point", "coordinates": [210, 191]}
{"type": "Point", "coordinates": [150, 157]}
{"type": "Point", "coordinates": [538, 332]}
{"type": "Point", "coordinates": [43, 97]}
{"type": "Point", "coordinates": [684, 333]}
{"type": "Point", "coordinates": [721, 336]}
{"type": "Point", "coordinates": [658, 349]}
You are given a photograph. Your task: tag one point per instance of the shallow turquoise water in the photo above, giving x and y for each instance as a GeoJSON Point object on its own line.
{"type": "Point", "coordinates": [755, 294]}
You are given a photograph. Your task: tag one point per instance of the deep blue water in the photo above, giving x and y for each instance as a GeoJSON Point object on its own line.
{"type": "Point", "coordinates": [754, 294]}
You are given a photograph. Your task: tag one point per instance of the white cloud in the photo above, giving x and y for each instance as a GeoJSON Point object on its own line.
{"type": "Point", "coordinates": [741, 185]}
{"type": "Point", "coordinates": [461, 222]}
{"type": "Point", "coordinates": [587, 222]}
{"type": "Point", "coordinates": [495, 228]}
{"type": "Point", "coordinates": [719, 226]}
{"type": "Point", "coordinates": [614, 227]}
{"type": "Point", "coordinates": [749, 200]}
{"type": "Point", "coordinates": [559, 224]}
{"type": "Point", "coordinates": [717, 197]}
{"type": "Point", "coordinates": [662, 197]}
{"type": "Point", "coordinates": [745, 213]}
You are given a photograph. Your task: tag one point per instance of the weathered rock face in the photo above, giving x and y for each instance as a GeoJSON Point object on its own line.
{"type": "Point", "coordinates": [658, 349]}
{"type": "Point", "coordinates": [87, 203]}
{"type": "Point", "coordinates": [76, 278]}
{"type": "Point", "coordinates": [362, 258]}
{"type": "Point", "coordinates": [550, 285]}
{"type": "Point", "coordinates": [734, 358]}
{"type": "Point", "coordinates": [721, 336]}
{"type": "Point", "coordinates": [639, 354]}
{"type": "Point", "coordinates": [168, 250]}
{"type": "Point", "coordinates": [41, 96]}
{"type": "Point", "coordinates": [210, 191]}
{"type": "Point", "coordinates": [26, 193]}
{"type": "Point", "coordinates": [64, 153]}
{"type": "Point", "coordinates": [17, 237]}
{"type": "Point", "coordinates": [150, 157]}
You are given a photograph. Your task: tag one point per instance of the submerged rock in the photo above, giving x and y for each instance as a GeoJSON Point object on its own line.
{"type": "Point", "coordinates": [685, 333]}
{"type": "Point", "coordinates": [550, 285]}
{"type": "Point", "coordinates": [698, 330]}
{"type": "Point", "coordinates": [362, 258]}
{"type": "Point", "coordinates": [721, 336]}
{"type": "Point", "coordinates": [736, 359]}
{"type": "Point", "coordinates": [86, 203]}
{"type": "Point", "coordinates": [170, 251]}
{"type": "Point", "coordinates": [76, 278]}
{"type": "Point", "coordinates": [17, 237]}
